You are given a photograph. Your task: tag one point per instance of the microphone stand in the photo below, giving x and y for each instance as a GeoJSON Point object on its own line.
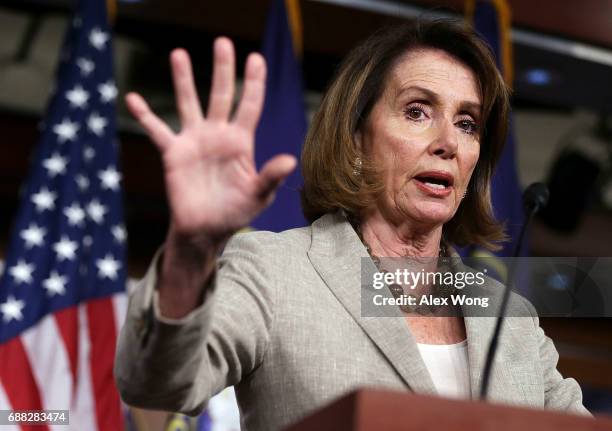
{"type": "Point", "coordinates": [534, 198]}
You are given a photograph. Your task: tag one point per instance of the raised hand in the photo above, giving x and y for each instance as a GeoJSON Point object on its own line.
{"type": "Point", "coordinates": [211, 180]}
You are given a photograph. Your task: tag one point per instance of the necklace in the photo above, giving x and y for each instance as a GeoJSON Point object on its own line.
{"type": "Point", "coordinates": [440, 290]}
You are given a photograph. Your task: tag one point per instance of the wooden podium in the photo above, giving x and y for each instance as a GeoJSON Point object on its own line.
{"type": "Point", "coordinates": [374, 410]}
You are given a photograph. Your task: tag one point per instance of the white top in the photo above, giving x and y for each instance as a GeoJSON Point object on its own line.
{"type": "Point", "coordinates": [449, 369]}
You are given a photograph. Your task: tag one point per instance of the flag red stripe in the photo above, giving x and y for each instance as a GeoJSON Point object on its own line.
{"type": "Point", "coordinates": [68, 323]}
{"type": "Point", "coordinates": [18, 380]}
{"type": "Point", "coordinates": [103, 336]}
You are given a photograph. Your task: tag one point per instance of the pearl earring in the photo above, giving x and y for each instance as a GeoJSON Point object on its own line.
{"type": "Point", "coordinates": [357, 168]}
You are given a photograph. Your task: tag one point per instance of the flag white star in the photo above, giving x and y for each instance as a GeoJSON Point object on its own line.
{"type": "Point", "coordinates": [77, 97]}
{"type": "Point", "coordinates": [33, 235]}
{"type": "Point", "coordinates": [65, 248]}
{"type": "Point", "coordinates": [75, 214]}
{"type": "Point", "coordinates": [98, 38]}
{"type": "Point", "coordinates": [66, 131]}
{"type": "Point", "coordinates": [11, 309]}
{"type": "Point", "coordinates": [96, 211]}
{"type": "Point", "coordinates": [85, 65]}
{"type": "Point", "coordinates": [108, 91]}
{"type": "Point", "coordinates": [110, 178]}
{"type": "Point", "coordinates": [89, 153]}
{"type": "Point", "coordinates": [119, 233]}
{"type": "Point", "coordinates": [108, 267]}
{"type": "Point", "coordinates": [22, 272]}
{"type": "Point", "coordinates": [44, 199]}
{"type": "Point", "coordinates": [55, 165]}
{"type": "Point", "coordinates": [82, 182]}
{"type": "Point", "coordinates": [55, 284]}
{"type": "Point", "coordinates": [96, 123]}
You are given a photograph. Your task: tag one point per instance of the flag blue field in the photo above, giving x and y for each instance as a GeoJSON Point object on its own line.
{"type": "Point", "coordinates": [62, 294]}
{"type": "Point", "coordinates": [283, 122]}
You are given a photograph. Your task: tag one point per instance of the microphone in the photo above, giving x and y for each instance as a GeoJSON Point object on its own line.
{"type": "Point", "coordinates": [535, 197]}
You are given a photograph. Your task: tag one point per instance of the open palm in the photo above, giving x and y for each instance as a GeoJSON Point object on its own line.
{"type": "Point", "coordinates": [211, 179]}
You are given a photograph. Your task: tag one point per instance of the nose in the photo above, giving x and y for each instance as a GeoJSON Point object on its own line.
{"type": "Point", "coordinates": [444, 143]}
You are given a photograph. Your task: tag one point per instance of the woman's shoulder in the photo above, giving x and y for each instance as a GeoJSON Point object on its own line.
{"type": "Point", "coordinates": [267, 258]}
{"type": "Point", "coordinates": [260, 242]}
{"type": "Point", "coordinates": [298, 240]}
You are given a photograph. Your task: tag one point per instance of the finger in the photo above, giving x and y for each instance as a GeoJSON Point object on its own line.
{"type": "Point", "coordinates": [187, 101]}
{"type": "Point", "coordinates": [273, 173]}
{"type": "Point", "coordinates": [157, 130]}
{"type": "Point", "coordinates": [253, 93]}
{"type": "Point", "coordinates": [222, 89]}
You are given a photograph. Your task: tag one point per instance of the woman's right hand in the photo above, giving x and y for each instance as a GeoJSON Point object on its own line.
{"type": "Point", "coordinates": [211, 179]}
{"type": "Point", "coordinates": [212, 183]}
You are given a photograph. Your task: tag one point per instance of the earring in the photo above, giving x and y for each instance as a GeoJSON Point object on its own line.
{"type": "Point", "coordinates": [464, 195]}
{"type": "Point", "coordinates": [357, 168]}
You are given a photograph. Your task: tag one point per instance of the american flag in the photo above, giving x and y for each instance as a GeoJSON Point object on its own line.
{"type": "Point", "coordinates": [62, 293]}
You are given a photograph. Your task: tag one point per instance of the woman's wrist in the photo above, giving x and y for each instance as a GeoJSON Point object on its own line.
{"type": "Point", "coordinates": [187, 268]}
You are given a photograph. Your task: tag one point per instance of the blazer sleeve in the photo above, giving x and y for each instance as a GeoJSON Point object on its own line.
{"type": "Point", "coordinates": [178, 364]}
{"type": "Point", "coordinates": [559, 393]}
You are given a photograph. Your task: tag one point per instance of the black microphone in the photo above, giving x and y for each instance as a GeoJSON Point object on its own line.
{"type": "Point", "coordinates": [535, 197]}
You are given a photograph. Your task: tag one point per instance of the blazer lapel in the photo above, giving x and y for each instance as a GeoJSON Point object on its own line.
{"type": "Point", "coordinates": [337, 255]}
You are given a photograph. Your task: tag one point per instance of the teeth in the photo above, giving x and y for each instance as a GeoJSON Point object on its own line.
{"type": "Point", "coordinates": [436, 186]}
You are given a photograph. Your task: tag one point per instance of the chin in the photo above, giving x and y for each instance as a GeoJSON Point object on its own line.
{"type": "Point", "coordinates": [431, 213]}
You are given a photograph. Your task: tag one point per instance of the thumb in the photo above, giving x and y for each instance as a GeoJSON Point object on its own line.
{"type": "Point", "coordinates": [273, 173]}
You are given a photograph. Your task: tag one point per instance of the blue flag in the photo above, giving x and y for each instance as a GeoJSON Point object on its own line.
{"type": "Point", "coordinates": [489, 20]}
{"type": "Point", "coordinates": [283, 122]}
{"type": "Point", "coordinates": [492, 21]}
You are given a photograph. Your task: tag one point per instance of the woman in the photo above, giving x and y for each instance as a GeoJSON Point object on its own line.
{"type": "Point", "coordinates": [397, 162]}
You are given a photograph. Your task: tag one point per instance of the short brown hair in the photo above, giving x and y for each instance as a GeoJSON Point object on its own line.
{"type": "Point", "coordinates": [330, 150]}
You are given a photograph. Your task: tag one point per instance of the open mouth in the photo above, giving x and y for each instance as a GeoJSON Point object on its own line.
{"type": "Point", "coordinates": [434, 182]}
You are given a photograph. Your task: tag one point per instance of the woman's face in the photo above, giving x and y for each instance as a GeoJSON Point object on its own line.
{"type": "Point", "coordinates": [423, 133]}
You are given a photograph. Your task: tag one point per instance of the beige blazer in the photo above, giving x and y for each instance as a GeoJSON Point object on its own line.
{"type": "Point", "coordinates": [282, 322]}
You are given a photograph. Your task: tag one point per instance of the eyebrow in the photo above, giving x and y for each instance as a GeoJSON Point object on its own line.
{"type": "Point", "coordinates": [467, 106]}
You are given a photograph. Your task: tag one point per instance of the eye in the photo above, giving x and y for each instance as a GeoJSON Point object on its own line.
{"type": "Point", "coordinates": [468, 126]}
{"type": "Point", "coordinates": [415, 112]}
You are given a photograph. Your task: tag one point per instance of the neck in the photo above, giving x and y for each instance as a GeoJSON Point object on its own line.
{"type": "Point", "coordinates": [388, 239]}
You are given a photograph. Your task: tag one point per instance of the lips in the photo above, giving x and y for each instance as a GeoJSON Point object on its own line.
{"type": "Point", "coordinates": [436, 183]}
